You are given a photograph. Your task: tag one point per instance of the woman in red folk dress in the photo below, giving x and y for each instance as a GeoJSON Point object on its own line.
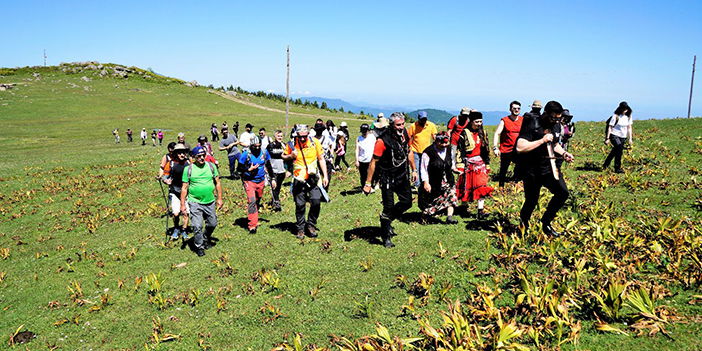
{"type": "Point", "coordinates": [472, 162]}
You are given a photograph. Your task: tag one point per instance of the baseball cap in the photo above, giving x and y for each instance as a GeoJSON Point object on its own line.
{"type": "Point", "coordinates": [422, 114]}
{"type": "Point", "coordinates": [198, 150]}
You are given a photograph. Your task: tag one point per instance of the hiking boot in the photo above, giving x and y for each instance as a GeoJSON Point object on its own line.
{"type": "Point", "coordinates": [619, 170]}
{"type": "Point", "coordinates": [548, 230]}
{"type": "Point", "coordinates": [252, 230]}
{"type": "Point", "coordinates": [207, 245]}
{"type": "Point", "coordinates": [200, 252]}
{"type": "Point", "coordinates": [313, 231]}
{"type": "Point", "coordinates": [387, 242]}
{"type": "Point", "coordinates": [184, 233]}
{"type": "Point", "coordinates": [301, 234]}
{"type": "Point", "coordinates": [175, 234]}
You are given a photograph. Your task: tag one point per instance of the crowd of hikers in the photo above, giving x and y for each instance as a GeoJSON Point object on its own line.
{"type": "Point", "coordinates": [445, 168]}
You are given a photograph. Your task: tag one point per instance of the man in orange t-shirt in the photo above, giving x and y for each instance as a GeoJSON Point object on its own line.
{"type": "Point", "coordinates": [421, 134]}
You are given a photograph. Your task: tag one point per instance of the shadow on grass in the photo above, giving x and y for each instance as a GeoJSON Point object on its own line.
{"type": "Point", "coordinates": [419, 218]}
{"type": "Point", "coordinates": [354, 191]}
{"type": "Point", "coordinates": [589, 166]}
{"type": "Point", "coordinates": [289, 227]}
{"type": "Point", "coordinates": [369, 234]}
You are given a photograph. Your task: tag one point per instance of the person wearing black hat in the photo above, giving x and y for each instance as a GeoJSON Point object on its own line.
{"type": "Point", "coordinates": [244, 139]}
{"type": "Point", "coordinates": [473, 163]}
{"type": "Point", "coordinates": [568, 128]}
{"type": "Point", "coordinates": [364, 151]}
{"type": "Point", "coordinates": [618, 130]}
{"type": "Point", "coordinates": [173, 177]}
{"type": "Point", "coordinates": [538, 147]}
{"type": "Point", "coordinates": [391, 160]}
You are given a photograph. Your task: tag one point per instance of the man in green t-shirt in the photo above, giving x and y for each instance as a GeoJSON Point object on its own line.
{"type": "Point", "coordinates": [200, 181]}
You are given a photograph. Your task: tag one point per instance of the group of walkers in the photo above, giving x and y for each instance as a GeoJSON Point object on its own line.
{"type": "Point", "coordinates": [447, 168]}
{"type": "Point", "coordinates": [156, 136]}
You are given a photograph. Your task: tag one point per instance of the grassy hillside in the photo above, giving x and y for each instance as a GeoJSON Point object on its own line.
{"type": "Point", "coordinates": [83, 262]}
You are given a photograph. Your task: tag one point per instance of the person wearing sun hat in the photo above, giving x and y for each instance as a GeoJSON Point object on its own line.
{"type": "Point", "coordinates": [201, 191]}
{"type": "Point", "coordinates": [535, 110]}
{"type": "Point", "coordinates": [380, 125]}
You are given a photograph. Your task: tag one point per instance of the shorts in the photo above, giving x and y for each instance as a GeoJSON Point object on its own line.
{"type": "Point", "coordinates": [175, 204]}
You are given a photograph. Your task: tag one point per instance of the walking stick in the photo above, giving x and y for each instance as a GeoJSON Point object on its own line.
{"type": "Point", "coordinates": [552, 157]}
{"type": "Point", "coordinates": [168, 213]}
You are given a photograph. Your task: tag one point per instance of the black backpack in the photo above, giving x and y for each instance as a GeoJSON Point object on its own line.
{"type": "Point", "coordinates": [607, 124]}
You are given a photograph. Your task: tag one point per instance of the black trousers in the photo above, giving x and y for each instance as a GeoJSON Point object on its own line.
{"type": "Point", "coordinates": [391, 185]}
{"type": "Point", "coordinates": [505, 160]}
{"type": "Point", "coordinates": [363, 171]}
{"type": "Point", "coordinates": [279, 178]}
{"type": "Point", "coordinates": [301, 197]}
{"type": "Point", "coordinates": [339, 159]}
{"type": "Point", "coordinates": [532, 188]}
{"type": "Point", "coordinates": [616, 153]}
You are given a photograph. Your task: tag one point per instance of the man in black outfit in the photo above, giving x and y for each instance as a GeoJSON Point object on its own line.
{"type": "Point", "coordinates": [391, 159]}
{"type": "Point", "coordinates": [538, 168]}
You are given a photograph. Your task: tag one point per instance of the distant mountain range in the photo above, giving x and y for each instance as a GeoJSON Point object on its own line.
{"type": "Point", "coordinates": [435, 115]}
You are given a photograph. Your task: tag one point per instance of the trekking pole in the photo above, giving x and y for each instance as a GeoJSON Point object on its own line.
{"type": "Point", "coordinates": [167, 214]}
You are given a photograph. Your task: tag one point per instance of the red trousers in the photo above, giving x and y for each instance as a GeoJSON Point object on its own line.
{"type": "Point", "coordinates": [254, 192]}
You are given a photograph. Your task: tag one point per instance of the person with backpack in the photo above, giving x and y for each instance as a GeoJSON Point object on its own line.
{"type": "Point", "coordinates": [214, 132]}
{"type": "Point", "coordinates": [116, 134]}
{"type": "Point", "coordinates": [618, 129]}
{"type": "Point", "coordinates": [229, 144]}
{"type": "Point", "coordinates": [202, 192]}
{"type": "Point", "coordinates": [173, 177]}
{"type": "Point", "coordinates": [320, 137]}
{"type": "Point", "coordinates": [538, 148]}
{"type": "Point", "coordinates": [276, 168]}
{"type": "Point", "coordinates": [202, 141]}
{"type": "Point", "coordinates": [254, 176]}
{"type": "Point", "coordinates": [308, 160]}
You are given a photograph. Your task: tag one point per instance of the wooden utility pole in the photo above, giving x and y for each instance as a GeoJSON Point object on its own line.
{"type": "Point", "coordinates": [689, 104]}
{"type": "Point", "coordinates": [44, 57]}
{"type": "Point", "coordinates": [287, 93]}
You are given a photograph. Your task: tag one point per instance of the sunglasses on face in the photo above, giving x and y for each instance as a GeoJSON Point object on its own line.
{"type": "Point", "coordinates": [199, 155]}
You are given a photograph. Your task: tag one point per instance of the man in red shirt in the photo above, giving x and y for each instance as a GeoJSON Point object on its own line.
{"type": "Point", "coordinates": [506, 133]}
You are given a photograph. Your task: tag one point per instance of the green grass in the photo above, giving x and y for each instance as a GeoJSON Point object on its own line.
{"type": "Point", "coordinates": [67, 187]}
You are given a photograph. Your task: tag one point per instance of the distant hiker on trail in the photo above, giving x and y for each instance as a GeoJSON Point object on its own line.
{"type": "Point", "coordinates": [506, 134]}
{"type": "Point", "coordinates": [472, 162]}
{"type": "Point", "coordinates": [618, 130]}
{"type": "Point", "coordinates": [438, 189]}
{"type": "Point", "coordinates": [245, 138]}
{"type": "Point", "coordinates": [535, 110]}
{"type": "Point", "coordinates": [235, 128]}
{"type": "Point", "coordinates": [254, 160]}
{"type": "Point", "coordinates": [153, 138]}
{"type": "Point", "coordinates": [166, 159]}
{"type": "Point", "coordinates": [202, 141]}
{"type": "Point", "coordinates": [160, 137]}
{"type": "Point", "coordinates": [173, 176]}
{"type": "Point", "coordinates": [214, 132]}
{"type": "Point", "coordinates": [276, 168]}
{"type": "Point", "coordinates": [538, 148]}
{"type": "Point", "coordinates": [422, 134]}
{"type": "Point", "coordinates": [181, 140]}
{"type": "Point", "coordinates": [129, 135]}
{"type": "Point", "coordinates": [391, 160]}
{"type": "Point", "coordinates": [325, 142]}
{"type": "Point", "coordinates": [455, 126]}
{"type": "Point", "coordinates": [229, 144]}
{"type": "Point", "coordinates": [116, 134]}
{"type": "Point", "coordinates": [365, 144]}
{"type": "Point", "coordinates": [340, 151]}
{"type": "Point", "coordinates": [201, 191]}
{"type": "Point", "coordinates": [306, 156]}
{"type": "Point", "coordinates": [143, 136]}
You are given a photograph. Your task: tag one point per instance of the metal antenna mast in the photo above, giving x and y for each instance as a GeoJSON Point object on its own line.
{"type": "Point", "coordinates": [689, 104]}
{"type": "Point", "coordinates": [44, 57]}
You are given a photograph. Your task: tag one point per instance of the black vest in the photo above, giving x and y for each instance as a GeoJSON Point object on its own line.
{"type": "Point", "coordinates": [438, 168]}
{"type": "Point", "coordinates": [394, 160]}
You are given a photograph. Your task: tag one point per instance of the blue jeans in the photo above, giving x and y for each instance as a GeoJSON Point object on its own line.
{"type": "Point", "coordinates": [417, 162]}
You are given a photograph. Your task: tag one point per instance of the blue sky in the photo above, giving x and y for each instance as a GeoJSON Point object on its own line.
{"type": "Point", "coordinates": [589, 55]}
